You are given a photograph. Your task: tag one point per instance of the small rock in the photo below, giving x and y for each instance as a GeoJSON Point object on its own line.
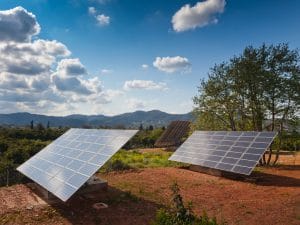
{"type": "Point", "coordinates": [100, 205]}
{"type": "Point", "coordinates": [29, 207]}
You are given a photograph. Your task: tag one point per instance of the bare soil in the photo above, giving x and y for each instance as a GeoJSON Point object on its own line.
{"type": "Point", "coordinates": [269, 196]}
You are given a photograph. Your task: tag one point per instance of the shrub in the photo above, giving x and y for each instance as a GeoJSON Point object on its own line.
{"type": "Point", "coordinates": [179, 214]}
{"type": "Point", "coordinates": [116, 165]}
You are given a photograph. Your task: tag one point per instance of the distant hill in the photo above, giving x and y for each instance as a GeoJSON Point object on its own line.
{"type": "Point", "coordinates": [155, 117]}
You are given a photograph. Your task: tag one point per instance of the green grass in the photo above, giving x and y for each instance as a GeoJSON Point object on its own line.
{"type": "Point", "coordinates": [135, 160]}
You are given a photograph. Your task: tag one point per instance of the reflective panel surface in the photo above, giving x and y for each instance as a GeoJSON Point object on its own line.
{"type": "Point", "coordinates": [232, 151]}
{"type": "Point", "coordinates": [68, 162]}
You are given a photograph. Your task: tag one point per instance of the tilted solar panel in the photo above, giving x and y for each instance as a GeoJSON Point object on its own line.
{"type": "Point", "coordinates": [234, 151]}
{"type": "Point", "coordinates": [67, 163]}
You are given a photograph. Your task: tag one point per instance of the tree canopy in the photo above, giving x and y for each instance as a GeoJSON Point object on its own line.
{"type": "Point", "coordinates": [261, 83]}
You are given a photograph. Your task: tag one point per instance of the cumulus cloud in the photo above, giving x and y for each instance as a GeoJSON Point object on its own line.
{"type": "Point", "coordinates": [199, 15]}
{"type": "Point", "coordinates": [37, 75]}
{"type": "Point", "coordinates": [30, 58]}
{"type": "Point", "coordinates": [70, 67]}
{"type": "Point", "coordinates": [103, 20]}
{"type": "Point", "coordinates": [172, 64]}
{"type": "Point", "coordinates": [17, 25]}
{"type": "Point", "coordinates": [69, 77]}
{"type": "Point", "coordinates": [144, 84]}
{"type": "Point", "coordinates": [71, 84]}
{"type": "Point", "coordinates": [10, 82]}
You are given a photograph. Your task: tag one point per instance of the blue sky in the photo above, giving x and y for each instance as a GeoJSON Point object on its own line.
{"type": "Point", "coordinates": [95, 65]}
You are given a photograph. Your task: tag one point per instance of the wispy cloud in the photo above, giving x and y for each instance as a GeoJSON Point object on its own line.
{"type": "Point", "coordinates": [106, 71]}
{"type": "Point", "coordinates": [144, 85]}
{"type": "Point", "coordinates": [102, 20]}
{"type": "Point", "coordinates": [92, 10]}
{"type": "Point", "coordinates": [134, 104]}
{"type": "Point", "coordinates": [145, 66]}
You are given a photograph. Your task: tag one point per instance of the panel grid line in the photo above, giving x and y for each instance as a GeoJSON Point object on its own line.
{"type": "Point", "coordinates": [235, 151]}
{"type": "Point", "coordinates": [63, 169]}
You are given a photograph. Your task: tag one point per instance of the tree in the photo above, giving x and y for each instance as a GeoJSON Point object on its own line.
{"type": "Point", "coordinates": [262, 83]}
{"type": "Point", "coordinates": [48, 124]}
{"type": "Point", "coordinates": [217, 101]}
{"type": "Point", "coordinates": [31, 124]}
{"type": "Point", "coordinates": [40, 127]}
{"type": "Point", "coordinates": [141, 127]}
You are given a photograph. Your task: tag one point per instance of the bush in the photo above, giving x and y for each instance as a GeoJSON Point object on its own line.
{"type": "Point", "coordinates": [144, 139]}
{"type": "Point", "coordinates": [180, 214]}
{"type": "Point", "coordinates": [116, 165]}
{"type": "Point", "coordinates": [289, 142]}
{"type": "Point", "coordinates": [136, 160]}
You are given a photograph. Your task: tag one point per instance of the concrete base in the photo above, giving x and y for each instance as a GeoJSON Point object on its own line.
{"type": "Point", "coordinates": [93, 185]}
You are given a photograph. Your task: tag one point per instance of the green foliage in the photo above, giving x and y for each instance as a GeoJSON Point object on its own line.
{"type": "Point", "coordinates": [134, 159]}
{"type": "Point", "coordinates": [17, 145]}
{"type": "Point", "coordinates": [289, 142]}
{"type": "Point", "coordinates": [116, 165]}
{"type": "Point", "coordinates": [179, 214]}
{"type": "Point", "coordinates": [240, 94]}
{"type": "Point", "coordinates": [144, 138]}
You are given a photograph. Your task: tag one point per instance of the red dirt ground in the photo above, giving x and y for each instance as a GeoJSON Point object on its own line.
{"type": "Point", "coordinates": [270, 196]}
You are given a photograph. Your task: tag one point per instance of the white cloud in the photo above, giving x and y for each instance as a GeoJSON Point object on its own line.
{"type": "Point", "coordinates": [70, 84]}
{"type": "Point", "coordinates": [17, 25]}
{"type": "Point", "coordinates": [103, 20]}
{"type": "Point", "coordinates": [199, 15]}
{"type": "Point", "coordinates": [134, 104]}
{"type": "Point", "coordinates": [31, 58]}
{"type": "Point", "coordinates": [36, 75]}
{"type": "Point", "coordinates": [144, 84]}
{"type": "Point", "coordinates": [106, 71]}
{"type": "Point", "coordinates": [92, 10]}
{"type": "Point", "coordinates": [172, 64]}
{"type": "Point", "coordinates": [70, 67]}
{"type": "Point", "coordinates": [145, 66]}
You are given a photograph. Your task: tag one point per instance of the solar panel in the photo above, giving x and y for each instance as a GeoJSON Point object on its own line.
{"type": "Point", "coordinates": [234, 151]}
{"type": "Point", "coordinates": [67, 163]}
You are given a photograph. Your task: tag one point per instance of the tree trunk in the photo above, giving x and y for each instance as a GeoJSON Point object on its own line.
{"type": "Point", "coordinates": [279, 147]}
{"type": "Point", "coordinates": [280, 131]}
{"type": "Point", "coordinates": [269, 156]}
{"type": "Point", "coordinates": [264, 158]}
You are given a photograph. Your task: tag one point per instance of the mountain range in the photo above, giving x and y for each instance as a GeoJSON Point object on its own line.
{"type": "Point", "coordinates": [155, 118]}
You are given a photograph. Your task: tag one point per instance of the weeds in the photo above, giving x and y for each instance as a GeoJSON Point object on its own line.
{"type": "Point", "coordinates": [125, 160]}
{"type": "Point", "coordinates": [179, 214]}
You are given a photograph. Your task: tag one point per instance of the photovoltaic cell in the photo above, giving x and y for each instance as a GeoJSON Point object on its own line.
{"type": "Point", "coordinates": [68, 162]}
{"type": "Point", "coordinates": [234, 151]}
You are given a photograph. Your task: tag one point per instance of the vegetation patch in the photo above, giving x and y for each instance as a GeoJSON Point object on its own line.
{"type": "Point", "coordinates": [133, 159]}
{"type": "Point", "coordinates": [179, 214]}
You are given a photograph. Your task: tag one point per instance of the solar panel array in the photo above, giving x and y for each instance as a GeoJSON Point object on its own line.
{"type": "Point", "coordinates": [68, 162]}
{"type": "Point", "coordinates": [236, 152]}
